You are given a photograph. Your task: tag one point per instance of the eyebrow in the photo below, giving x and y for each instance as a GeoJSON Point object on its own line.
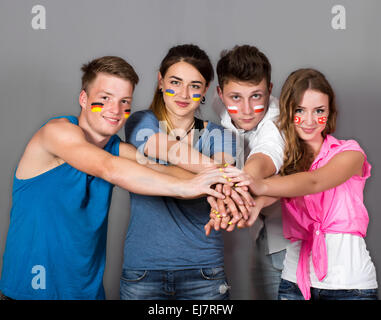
{"type": "Point", "coordinates": [110, 94]}
{"type": "Point", "coordinates": [322, 106]}
{"type": "Point", "coordinates": [177, 78]}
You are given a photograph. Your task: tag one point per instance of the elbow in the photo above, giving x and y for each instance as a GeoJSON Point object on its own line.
{"type": "Point", "coordinates": [107, 170]}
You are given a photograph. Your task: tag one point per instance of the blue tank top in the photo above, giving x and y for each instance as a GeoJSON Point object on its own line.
{"type": "Point", "coordinates": [56, 243]}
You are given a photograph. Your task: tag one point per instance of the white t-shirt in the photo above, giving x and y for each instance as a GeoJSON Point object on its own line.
{"type": "Point", "coordinates": [349, 264]}
{"type": "Point", "coordinates": [266, 139]}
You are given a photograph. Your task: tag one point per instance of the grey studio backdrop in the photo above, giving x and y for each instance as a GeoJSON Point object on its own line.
{"type": "Point", "coordinates": [40, 64]}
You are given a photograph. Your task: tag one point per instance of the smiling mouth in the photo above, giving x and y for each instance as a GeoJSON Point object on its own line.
{"type": "Point", "coordinates": [113, 121]}
{"type": "Point", "coordinates": [182, 104]}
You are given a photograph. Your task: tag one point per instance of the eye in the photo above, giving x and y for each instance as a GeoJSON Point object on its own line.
{"type": "Point", "coordinates": [235, 97]}
{"type": "Point", "coordinates": [105, 98]}
{"type": "Point", "coordinates": [124, 101]}
{"type": "Point", "coordinates": [320, 111]}
{"type": "Point", "coordinates": [175, 82]}
{"type": "Point", "coordinates": [256, 96]}
{"type": "Point", "coordinates": [298, 110]}
{"type": "Point", "coordinates": [195, 86]}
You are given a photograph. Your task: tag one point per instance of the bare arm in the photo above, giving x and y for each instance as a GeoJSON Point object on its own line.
{"type": "Point", "coordinates": [179, 153]}
{"type": "Point", "coordinates": [338, 170]}
{"type": "Point", "coordinates": [68, 142]}
{"type": "Point", "coordinates": [130, 152]}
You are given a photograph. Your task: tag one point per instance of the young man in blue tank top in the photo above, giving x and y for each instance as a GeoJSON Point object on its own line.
{"type": "Point", "coordinates": [56, 243]}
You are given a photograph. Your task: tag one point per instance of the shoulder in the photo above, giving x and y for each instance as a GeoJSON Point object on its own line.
{"type": "Point", "coordinates": [336, 146]}
{"type": "Point", "coordinates": [61, 127]}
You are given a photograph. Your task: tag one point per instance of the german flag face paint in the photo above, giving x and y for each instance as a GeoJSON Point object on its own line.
{"type": "Point", "coordinates": [97, 106]}
{"type": "Point", "coordinates": [258, 109]}
{"type": "Point", "coordinates": [196, 97]}
{"type": "Point", "coordinates": [232, 109]}
{"type": "Point", "coordinates": [297, 119]}
{"type": "Point", "coordinates": [127, 113]}
{"type": "Point", "coordinates": [170, 92]}
{"type": "Point", "coordinates": [322, 120]}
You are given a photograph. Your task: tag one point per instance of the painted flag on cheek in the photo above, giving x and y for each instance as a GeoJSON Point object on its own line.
{"type": "Point", "coordinates": [297, 120]}
{"type": "Point", "coordinates": [196, 97]}
{"type": "Point", "coordinates": [258, 109]}
{"type": "Point", "coordinates": [322, 120]}
{"type": "Point", "coordinates": [170, 92]}
{"type": "Point", "coordinates": [127, 113]}
{"type": "Point", "coordinates": [97, 106]}
{"type": "Point", "coordinates": [232, 109]}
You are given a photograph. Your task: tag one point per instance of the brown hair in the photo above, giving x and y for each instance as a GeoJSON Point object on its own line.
{"type": "Point", "coordinates": [111, 65]}
{"type": "Point", "coordinates": [297, 155]}
{"type": "Point", "coordinates": [191, 54]}
{"type": "Point", "coordinates": [243, 63]}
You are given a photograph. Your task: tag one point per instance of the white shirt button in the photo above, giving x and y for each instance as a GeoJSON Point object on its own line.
{"type": "Point", "coordinates": [317, 232]}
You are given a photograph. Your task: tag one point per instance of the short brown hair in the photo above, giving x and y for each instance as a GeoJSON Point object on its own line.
{"type": "Point", "coordinates": [243, 63]}
{"type": "Point", "coordinates": [111, 65]}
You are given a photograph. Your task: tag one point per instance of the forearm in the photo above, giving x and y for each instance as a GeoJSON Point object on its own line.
{"type": "Point", "coordinates": [136, 178]}
{"type": "Point", "coordinates": [171, 170]}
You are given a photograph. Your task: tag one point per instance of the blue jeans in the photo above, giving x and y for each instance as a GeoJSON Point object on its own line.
{"type": "Point", "coordinates": [290, 291]}
{"type": "Point", "coordinates": [266, 269]}
{"type": "Point", "coordinates": [190, 284]}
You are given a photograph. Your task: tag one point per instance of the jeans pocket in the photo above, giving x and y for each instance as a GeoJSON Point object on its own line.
{"type": "Point", "coordinates": [216, 273]}
{"type": "Point", "coordinates": [133, 275]}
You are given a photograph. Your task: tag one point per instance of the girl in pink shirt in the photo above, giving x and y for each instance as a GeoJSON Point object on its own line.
{"type": "Point", "coordinates": [321, 184]}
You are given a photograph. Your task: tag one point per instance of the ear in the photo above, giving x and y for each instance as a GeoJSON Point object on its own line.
{"type": "Point", "coordinates": [270, 88]}
{"type": "Point", "coordinates": [83, 99]}
{"type": "Point", "coordinates": [159, 80]}
{"type": "Point", "coordinates": [219, 91]}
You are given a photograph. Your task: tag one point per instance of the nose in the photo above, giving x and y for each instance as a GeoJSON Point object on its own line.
{"type": "Point", "coordinates": [113, 107]}
{"type": "Point", "coordinates": [246, 109]}
{"type": "Point", "coordinates": [184, 93]}
{"type": "Point", "coordinates": [309, 119]}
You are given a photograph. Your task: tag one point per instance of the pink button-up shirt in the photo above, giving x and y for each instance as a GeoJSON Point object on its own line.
{"type": "Point", "coordinates": [337, 210]}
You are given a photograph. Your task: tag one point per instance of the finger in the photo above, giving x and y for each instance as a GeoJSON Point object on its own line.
{"type": "Point", "coordinates": [221, 207]}
{"type": "Point", "coordinates": [227, 190]}
{"type": "Point", "coordinates": [225, 222]}
{"type": "Point", "coordinates": [212, 202]}
{"type": "Point", "coordinates": [208, 227]}
{"type": "Point", "coordinates": [246, 195]}
{"type": "Point", "coordinates": [233, 209]}
{"type": "Point", "coordinates": [254, 213]}
{"type": "Point", "coordinates": [213, 193]}
{"type": "Point", "coordinates": [237, 199]}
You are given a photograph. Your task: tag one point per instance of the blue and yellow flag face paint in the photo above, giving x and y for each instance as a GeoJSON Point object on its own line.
{"type": "Point", "coordinates": [127, 113]}
{"type": "Point", "coordinates": [170, 92]}
{"type": "Point", "coordinates": [196, 97]}
{"type": "Point", "coordinates": [97, 106]}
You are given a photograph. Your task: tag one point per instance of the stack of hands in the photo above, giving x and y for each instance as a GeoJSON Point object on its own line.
{"type": "Point", "coordinates": [239, 208]}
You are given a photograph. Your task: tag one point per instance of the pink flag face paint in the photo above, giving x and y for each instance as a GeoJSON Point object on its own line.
{"type": "Point", "coordinates": [297, 119]}
{"type": "Point", "coordinates": [97, 106]}
{"type": "Point", "coordinates": [170, 92]}
{"type": "Point", "coordinates": [322, 120]}
{"type": "Point", "coordinates": [258, 109]}
{"type": "Point", "coordinates": [127, 113]}
{"type": "Point", "coordinates": [232, 109]}
{"type": "Point", "coordinates": [196, 97]}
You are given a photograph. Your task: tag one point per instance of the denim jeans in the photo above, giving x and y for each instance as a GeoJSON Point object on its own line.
{"type": "Point", "coordinates": [290, 291]}
{"type": "Point", "coordinates": [192, 284]}
{"type": "Point", "coordinates": [266, 269]}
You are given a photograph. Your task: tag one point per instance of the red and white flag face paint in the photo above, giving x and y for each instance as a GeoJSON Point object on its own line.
{"type": "Point", "coordinates": [232, 109]}
{"type": "Point", "coordinates": [322, 120]}
{"type": "Point", "coordinates": [297, 119]}
{"type": "Point", "coordinates": [258, 109]}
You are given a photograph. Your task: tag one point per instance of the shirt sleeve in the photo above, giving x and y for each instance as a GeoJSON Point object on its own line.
{"type": "Point", "coordinates": [352, 145]}
{"type": "Point", "coordinates": [140, 126]}
{"type": "Point", "coordinates": [268, 141]}
{"type": "Point", "coordinates": [219, 140]}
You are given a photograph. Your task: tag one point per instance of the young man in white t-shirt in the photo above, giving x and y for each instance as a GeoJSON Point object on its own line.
{"type": "Point", "coordinates": [245, 105]}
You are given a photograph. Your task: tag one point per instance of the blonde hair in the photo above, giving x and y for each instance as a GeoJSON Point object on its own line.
{"type": "Point", "coordinates": [298, 156]}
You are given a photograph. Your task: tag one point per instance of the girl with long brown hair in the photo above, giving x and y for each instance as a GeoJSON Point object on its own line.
{"type": "Point", "coordinates": [321, 185]}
